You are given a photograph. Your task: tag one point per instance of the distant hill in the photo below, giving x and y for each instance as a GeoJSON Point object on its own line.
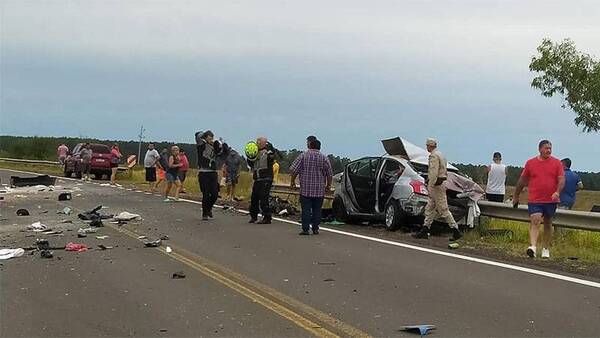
{"type": "Point", "coordinates": [44, 148]}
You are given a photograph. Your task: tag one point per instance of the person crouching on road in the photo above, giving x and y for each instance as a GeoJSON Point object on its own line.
{"type": "Point", "coordinates": [172, 174]}
{"type": "Point", "coordinates": [208, 178]}
{"type": "Point", "coordinates": [315, 180]}
{"type": "Point", "coordinates": [437, 201]}
{"type": "Point", "coordinates": [545, 178]}
{"type": "Point", "coordinates": [262, 168]}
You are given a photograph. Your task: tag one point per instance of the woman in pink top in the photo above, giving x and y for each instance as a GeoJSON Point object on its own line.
{"type": "Point", "coordinates": [114, 162]}
{"type": "Point", "coordinates": [185, 166]}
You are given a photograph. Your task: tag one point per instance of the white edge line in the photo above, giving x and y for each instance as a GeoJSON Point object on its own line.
{"type": "Point", "coordinates": [412, 247]}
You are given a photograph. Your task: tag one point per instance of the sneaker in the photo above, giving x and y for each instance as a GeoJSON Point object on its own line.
{"type": "Point", "coordinates": [210, 215]}
{"type": "Point", "coordinates": [545, 253]}
{"type": "Point", "coordinates": [456, 235]}
{"type": "Point", "coordinates": [423, 233]}
{"type": "Point", "coordinates": [304, 233]}
{"type": "Point", "coordinates": [531, 252]}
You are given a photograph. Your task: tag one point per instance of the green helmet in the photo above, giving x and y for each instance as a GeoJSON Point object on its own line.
{"type": "Point", "coordinates": [251, 150]}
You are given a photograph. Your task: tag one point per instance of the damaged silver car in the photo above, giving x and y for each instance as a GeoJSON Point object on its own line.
{"type": "Point", "coordinates": [392, 188]}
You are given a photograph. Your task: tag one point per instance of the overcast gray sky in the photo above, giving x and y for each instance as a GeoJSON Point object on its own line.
{"type": "Point", "coordinates": [350, 72]}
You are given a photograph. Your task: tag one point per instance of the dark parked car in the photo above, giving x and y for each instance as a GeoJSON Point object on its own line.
{"type": "Point", "coordinates": [100, 161]}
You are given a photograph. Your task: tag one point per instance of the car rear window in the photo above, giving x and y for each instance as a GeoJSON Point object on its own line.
{"type": "Point", "coordinates": [100, 149]}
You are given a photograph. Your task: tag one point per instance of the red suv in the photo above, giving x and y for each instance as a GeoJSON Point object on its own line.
{"type": "Point", "coordinates": [100, 161]}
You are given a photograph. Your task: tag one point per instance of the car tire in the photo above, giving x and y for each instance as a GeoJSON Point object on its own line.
{"type": "Point", "coordinates": [394, 216]}
{"type": "Point", "coordinates": [98, 176]}
{"type": "Point", "coordinates": [339, 210]}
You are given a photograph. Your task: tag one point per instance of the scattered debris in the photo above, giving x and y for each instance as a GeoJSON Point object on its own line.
{"type": "Point", "coordinates": [37, 227]}
{"type": "Point", "coordinates": [96, 223]}
{"type": "Point", "coordinates": [178, 275]}
{"type": "Point", "coordinates": [152, 244]}
{"type": "Point", "coordinates": [329, 280]}
{"type": "Point", "coordinates": [86, 231]}
{"type": "Point", "coordinates": [65, 211]}
{"type": "Point", "coordinates": [127, 216]}
{"type": "Point", "coordinates": [279, 204]}
{"type": "Point", "coordinates": [46, 254]}
{"type": "Point", "coordinates": [75, 247]}
{"type": "Point", "coordinates": [168, 249]}
{"type": "Point", "coordinates": [326, 263]}
{"type": "Point", "coordinates": [102, 237]}
{"type": "Point", "coordinates": [334, 222]}
{"type": "Point", "coordinates": [65, 196]}
{"type": "Point", "coordinates": [66, 221]}
{"type": "Point", "coordinates": [42, 244]}
{"type": "Point", "coordinates": [11, 253]}
{"type": "Point", "coordinates": [164, 238]}
{"type": "Point", "coordinates": [41, 180]}
{"type": "Point", "coordinates": [142, 237]}
{"type": "Point", "coordinates": [423, 330]}
{"type": "Point", "coordinates": [22, 212]}
{"type": "Point", "coordinates": [104, 247]}
{"type": "Point", "coordinates": [453, 245]}
{"type": "Point", "coordinates": [93, 214]}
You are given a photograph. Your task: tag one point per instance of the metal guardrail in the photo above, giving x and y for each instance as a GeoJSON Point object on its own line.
{"type": "Point", "coordinates": [580, 220]}
{"type": "Point", "coordinates": [28, 161]}
{"type": "Point", "coordinates": [18, 160]}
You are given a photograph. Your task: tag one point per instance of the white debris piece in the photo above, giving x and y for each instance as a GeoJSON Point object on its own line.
{"type": "Point", "coordinates": [11, 253]}
{"type": "Point", "coordinates": [37, 227]}
{"type": "Point", "coordinates": [127, 216]}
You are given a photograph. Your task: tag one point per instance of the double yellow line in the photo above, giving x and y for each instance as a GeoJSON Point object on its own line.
{"type": "Point", "coordinates": [310, 319]}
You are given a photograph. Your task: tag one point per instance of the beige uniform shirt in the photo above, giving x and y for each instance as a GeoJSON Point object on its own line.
{"type": "Point", "coordinates": [437, 167]}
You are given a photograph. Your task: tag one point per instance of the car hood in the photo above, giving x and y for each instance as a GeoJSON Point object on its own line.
{"type": "Point", "coordinates": [398, 146]}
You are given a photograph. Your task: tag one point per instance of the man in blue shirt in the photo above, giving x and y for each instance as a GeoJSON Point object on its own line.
{"type": "Point", "coordinates": [572, 185]}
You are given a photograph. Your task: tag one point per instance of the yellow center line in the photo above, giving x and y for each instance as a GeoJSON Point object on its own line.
{"type": "Point", "coordinates": [261, 294]}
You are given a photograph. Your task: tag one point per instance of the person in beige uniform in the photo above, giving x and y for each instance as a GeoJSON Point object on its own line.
{"type": "Point", "coordinates": [438, 202]}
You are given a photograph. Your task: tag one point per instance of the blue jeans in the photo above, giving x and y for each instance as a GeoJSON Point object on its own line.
{"type": "Point", "coordinates": [311, 212]}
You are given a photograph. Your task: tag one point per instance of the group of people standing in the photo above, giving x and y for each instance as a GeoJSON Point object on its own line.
{"type": "Point", "coordinates": [85, 158]}
{"type": "Point", "coordinates": [170, 166]}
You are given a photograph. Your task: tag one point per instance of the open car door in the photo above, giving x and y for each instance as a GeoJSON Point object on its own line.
{"type": "Point", "coordinates": [362, 174]}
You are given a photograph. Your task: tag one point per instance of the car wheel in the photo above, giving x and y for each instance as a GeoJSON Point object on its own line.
{"type": "Point", "coordinates": [98, 176]}
{"type": "Point", "coordinates": [394, 216]}
{"type": "Point", "coordinates": [339, 210]}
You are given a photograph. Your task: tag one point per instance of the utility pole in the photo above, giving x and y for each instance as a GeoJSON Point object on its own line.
{"type": "Point", "coordinates": [141, 136]}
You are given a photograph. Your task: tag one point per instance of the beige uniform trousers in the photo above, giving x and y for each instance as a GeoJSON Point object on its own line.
{"type": "Point", "coordinates": [438, 205]}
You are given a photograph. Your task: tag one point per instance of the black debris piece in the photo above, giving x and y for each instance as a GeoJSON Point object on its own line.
{"type": "Point", "coordinates": [46, 254]}
{"type": "Point", "coordinates": [96, 223]}
{"type": "Point", "coordinates": [104, 247]}
{"type": "Point", "coordinates": [178, 275]}
{"type": "Point", "coordinates": [422, 330]}
{"type": "Point", "coordinates": [93, 214]}
{"type": "Point", "coordinates": [278, 204]}
{"type": "Point", "coordinates": [22, 212]}
{"type": "Point", "coordinates": [16, 181]}
{"type": "Point", "coordinates": [42, 244]}
{"type": "Point", "coordinates": [164, 238]}
{"type": "Point", "coordinates": [152, 244]}
{"type": "Point", "coordinates": [65, 196]}
{"type": "Point", "coordinates": [329, 280]}
{"type": "Point", "coordinates": [326, 263]}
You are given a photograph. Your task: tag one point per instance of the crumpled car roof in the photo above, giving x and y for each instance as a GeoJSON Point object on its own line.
{"type": "Point", "coordinates": [398, 146]}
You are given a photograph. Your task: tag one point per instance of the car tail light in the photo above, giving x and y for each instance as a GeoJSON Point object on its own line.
{"type": "Point", "coordinates": [419, 188]}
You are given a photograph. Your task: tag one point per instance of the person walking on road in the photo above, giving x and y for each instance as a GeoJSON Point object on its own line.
{"type": "Point", "coordinates": [572, 185]}
{"type": "Point", "coordinates": [232, 167]}
{"type": "Point", "coordinates": [545, 178]}
{"type": "Point", "coordinates": [185, 167]}
{"type": "Point", "coordinates": [62, 153]}
{"type": "Point", "coordinates": [173, 174]}
{"type": "Point", "coordinates": [86, 162]}
{"type": "Point", "coordinates": [114, 162]}
{"type": "Point", "coordinates": [437, 202]}
{"type": "Point", "coordinates": [150, 161]}
{"type": "Point", "coordinates": [496, 183]}
{"type": "Point", "coordinates": [316, 175]}
{"type": "Point", "coordinates": [208, 178]}
{"type": "Point", "coordinates": [262, 168]}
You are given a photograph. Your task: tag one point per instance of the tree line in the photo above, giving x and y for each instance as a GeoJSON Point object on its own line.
{"type": "Point", "coordinates": [44, 148]}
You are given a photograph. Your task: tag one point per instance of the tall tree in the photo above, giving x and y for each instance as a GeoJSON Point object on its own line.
{"type": "Point", "coordinates": [564, 70]}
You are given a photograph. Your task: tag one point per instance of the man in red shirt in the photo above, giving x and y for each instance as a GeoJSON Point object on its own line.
{"type": "Point", "coordinates": [545, 177]}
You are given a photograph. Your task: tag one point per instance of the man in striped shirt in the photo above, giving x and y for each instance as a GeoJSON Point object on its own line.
{"type": "Point", "coordinates": [316, 175]}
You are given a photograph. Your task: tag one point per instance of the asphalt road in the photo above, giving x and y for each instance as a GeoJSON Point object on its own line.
{"type": "Point", "coordinates": [258, 280]}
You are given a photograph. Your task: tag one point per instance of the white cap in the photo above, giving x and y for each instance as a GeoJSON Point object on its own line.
{"type": "Point", "coordinates": [431, 142]}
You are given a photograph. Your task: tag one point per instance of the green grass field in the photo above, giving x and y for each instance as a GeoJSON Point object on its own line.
{"type": "Point", "coordinates": [584, 245]}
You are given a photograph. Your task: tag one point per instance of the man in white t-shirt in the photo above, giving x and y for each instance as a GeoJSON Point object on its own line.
{"type": "Point", "coordinates": [496, 183]}
{"type": "Point", "coordinates": [150, 160]}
